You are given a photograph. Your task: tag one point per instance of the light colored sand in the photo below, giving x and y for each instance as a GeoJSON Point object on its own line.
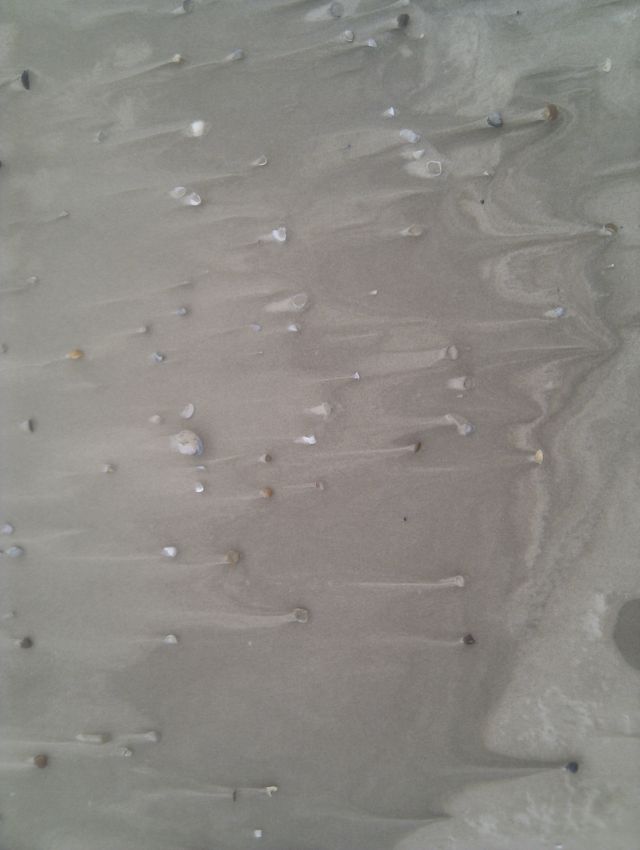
{"type": "Point", "coordinates": [436, 278]}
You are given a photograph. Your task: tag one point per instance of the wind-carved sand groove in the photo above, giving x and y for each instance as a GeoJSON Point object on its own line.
{"type": "Point", "coordinates": [267, 262]}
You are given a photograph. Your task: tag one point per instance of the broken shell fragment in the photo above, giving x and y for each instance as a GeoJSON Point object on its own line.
{"type": "Point", "coordinates": [187, 443]}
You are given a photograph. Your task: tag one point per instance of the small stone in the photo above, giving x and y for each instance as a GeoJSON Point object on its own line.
{"type": "Point", "coordinates": [187, 443]}
{"type": "Point", "coordinates": [301, 615]}
{"type": "Point", "coordinates": [28, 426]}
{"type": "Point", "coordinates": [348, 36]}
{"type": "Point", "coordinates": [403, 20]}
{"type": "Point", "coordinates": [236, 55]}
{"type": "Point", "coordinates": [390, 112]}
{"type": "Point", "coordinates": [232, 557]}
{"type": "Point", "coordinates": [293, 328]}
{"type": "Point", "coordinates": [256, 328]}
{"type": "Point", "coordinates": [257, 833]}
{"type": "Point", "coordinates": [199, 487]}
{"type": "Point", "coordinates": [266, 492]}
{"type": "Point", "coordinates": [108, 468]}
{"type": "Point", "coordinates": [75, 354]}
{"type": "Point", "coordinates": [468, 640]}
{"type": "Point", "coordinates": [551, 112]}
{"type": "Point", "coordinates": [125, 752]}
{"type": "Point", "coordinates": [193, 199]}
{"type": "Point", "coordinates": [7, 528]}
{"type": "Point", "coordinates": [171, 640]}
{"type": "Point", "coordinates": [265, 458]}
{"type": "Point", "coordinates": [336, 10]}
{"type": "Point", "coordinates": [538, 456]}
{"type": "Point", "coordinates": [24, 643]}
{"type": "Point", "coordinates": [494, 119]}
{"type": "Point", "coordinates": [187, 411]}
{"type": "Point", "coordinates": [279, 234]}
{"type": "Point", "coordinates": [155, 419]}
{"type": "Point", "coordinates": [25, 79]}
{"type": "Point", "coordinates": [41, 760]}
{"type": "Point", "coordinates": [572, 767]}
{"type": "Point", "coordinates": [182, 311]}
{"type": "Point", "coordinates": [158, 357]}
{"type": "Point", "coordinates": [371, 42]}
{"type": "Point", "coordinates": [178, 192]}
{"type": "Point", "coordinates": [307, 440]}
{"type": "Point", "coordinates": [170, 551]}
{"type": "Point", "coordinates": [15, 552]}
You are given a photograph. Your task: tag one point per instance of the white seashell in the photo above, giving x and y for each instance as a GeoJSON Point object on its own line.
{"type": "Point", "coordinates": [187, 411]}
{"type": "Point", "coordinates": [307, 440]}
{"type": "Point", "coordinates": [390, 112]}
{"type": "Point", "coordinates": [279, 234]}
{"type": "Point", "coordinates": [294, 304]}
{"type": "Point", "coordinates": [187, 443]}
{"type": "Point", "coordinates": [348, 36]}
{"type": "Point", "coordinates": [170, 639]}
{"type": "Point", "coordinates": [197, 129]}
{"type": "Point", "coordinates": [7, 528]}
{"type": "Point", "coordinates": [410, 136]}
{"type": "Point", "coordinates": [178, 192]}
{"type": "Point", "coordinates": [169, 551]}
{"type": "Point", "coordinates": [193, 199]}
{"type": "Point", "coordinates": [260, 161]}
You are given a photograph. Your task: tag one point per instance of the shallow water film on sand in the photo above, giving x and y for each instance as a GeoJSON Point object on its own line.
{"type": "Point", "coordinates": [319, 474]}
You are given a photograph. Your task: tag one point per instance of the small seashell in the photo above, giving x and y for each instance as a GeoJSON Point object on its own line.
{"type": "Point", "coordinates": [199, 487]}
{"type": "Point", "coordinates": [125, 752]}
{"type": "Point", "coordinates": [371, 42]}
{"type": "Point", "coordinates": [307, 440]}
{"type": "Point", "coordinates": [390, 112]}
{"type": "Point", "coordinates": [7, 528]}
{"type": "Point", "coordinates": [28, 425]}
{"type": "Point", "coordinates": [410, 136]}
{"type": "Point", "coordinates": [187, 411]}
{"type": "Point", "coordinates": [260, 161]}
{"type": "Point", "coordinates": [236, 55]}
{"type": "Point", "coordinates": [468, 640]}
{"type": "Point", "coordinates": [556, 313]}
{"type": "Point", "coordinates": [108, 468]}
{"type": "Point", "coordinates": [176, 59]}
{"type": "Point", "coordinates": [232, 557]}
{"type": "Point", "coordinates": [348, 36]}
{"type": "Point", "coordinates": [197, 129]}
{"type": "Point", "coordinates": [169, 551]}
{"type": "Point", "coordinates": [14, 552]}
{"type": "Point", "coordinates": [178, 192]}
{"type": "Point", "coordinates": [75, 354]}
{"type": "Point", "coordinates": [187, 443]}
{"type": "Point", "coordinates": [293, 328]}
{"type": "Point", "coordinates": [301, 615]}
{"type": "Point", "coordinates": [171, 640]}
{"type": "Point", "coordinates": [193, 199]}
{"type": "Point", "coordinates": [551, 112]}
{"type": "Point", "coordinates": [158, 357]}
{"type": "Point", "coordinates": [93, 738]}
{"type": "Point", "coordinates": [265, 458]}
{"type": "Point", "coordinates": [538, 456]}
{"type": "Point", "coordinates": [494, 119]}
{"type": "Point", "coordinates": [336, 10]}
{"type": "Point", "coordinates": [155, 419]}
{"type": "Point", "coordinates": [266, 492]}
{"type": "Point", "coordinates": [279, 234]}
{"type": "Point", "coordinates": [182, 311]}
{"type": "Point", "coordinates": [257, 833]}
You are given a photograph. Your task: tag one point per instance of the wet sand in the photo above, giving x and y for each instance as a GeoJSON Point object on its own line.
{"type": "Point", "coordinates": [382, 270]}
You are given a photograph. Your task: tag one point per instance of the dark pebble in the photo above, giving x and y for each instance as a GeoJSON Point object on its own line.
{"type": "Point", "coordinates": [469, 640]}
{"type": "Point", "coordinates": [25, 643]}
{"type": "Point", "coordinates": [403, 20]}
{"type": "Point", "coordinates": [41, 760]}
{"type": "Point", "coordinates": [572, 767]}
{"type": "Point", "coordinates": [25, 79]}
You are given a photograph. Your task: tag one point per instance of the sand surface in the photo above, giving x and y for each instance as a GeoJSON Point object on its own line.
{"type": "Point", "coordinates": [397, 592]}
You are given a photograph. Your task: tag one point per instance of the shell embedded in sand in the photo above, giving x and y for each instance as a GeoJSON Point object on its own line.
{"type": "Point", "coordinates": [75, 354]}
{"type": "Point", "coordinates": [187, 443]}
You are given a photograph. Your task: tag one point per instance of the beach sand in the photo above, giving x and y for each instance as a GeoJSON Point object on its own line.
{"type": "Point", "coordinates": [383, 271]}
